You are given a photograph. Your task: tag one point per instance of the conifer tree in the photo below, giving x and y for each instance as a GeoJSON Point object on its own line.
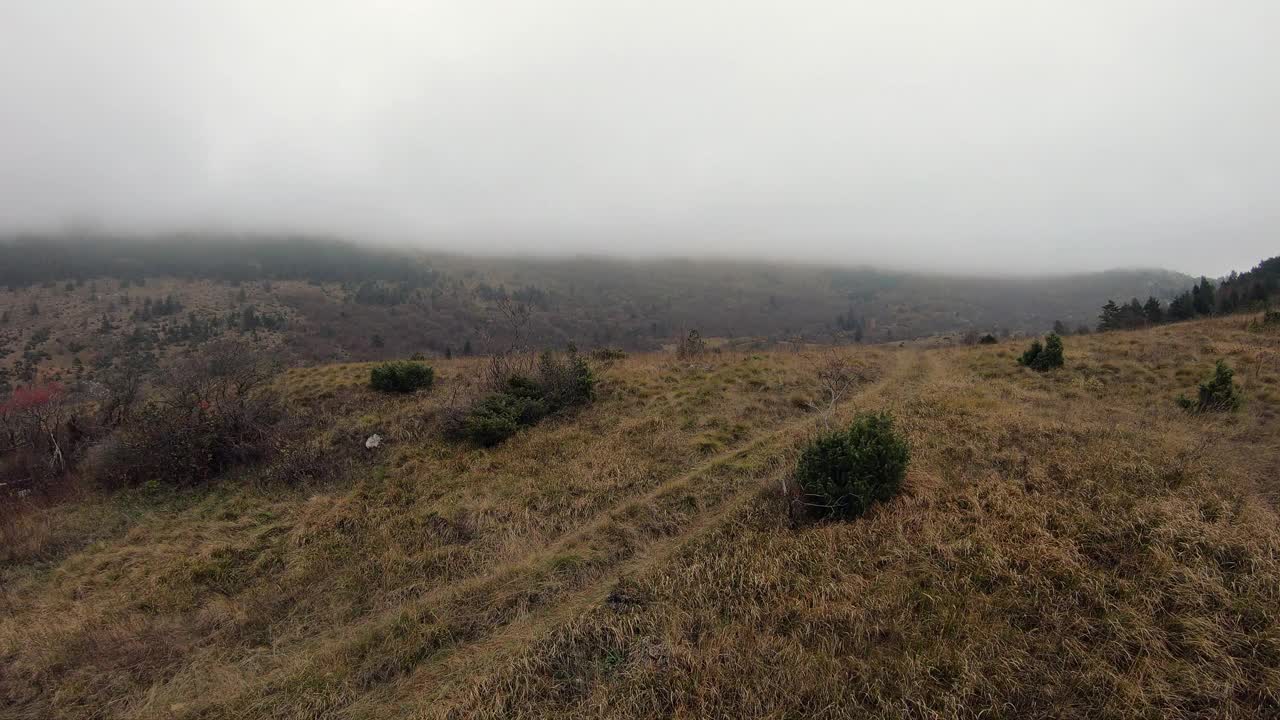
{"type": "Point", "coordinates": [1110, 317]}
{"type": "Point", "coordinates": [1202, 297]}
{"type": "Point", "coordinates": [1132, 315]}
{"type": "Point", "coordinates": [1153, 312]}
{"type": "Point", "coordinates": [1181, 307]}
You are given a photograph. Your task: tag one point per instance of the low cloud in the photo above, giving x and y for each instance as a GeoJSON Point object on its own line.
{"type": "Point", "coordinates": [974, 136]}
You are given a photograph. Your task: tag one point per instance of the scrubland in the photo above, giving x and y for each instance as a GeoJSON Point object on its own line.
{"type": "Point", "coordinates": [1069, 544]}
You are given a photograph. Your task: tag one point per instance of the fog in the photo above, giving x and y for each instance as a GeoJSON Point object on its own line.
{"type": "Point", "coordinates": [1006, 136]}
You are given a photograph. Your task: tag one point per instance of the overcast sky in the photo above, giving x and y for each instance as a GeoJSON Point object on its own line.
{"type": "Point", "coordinates": [1017, 135]}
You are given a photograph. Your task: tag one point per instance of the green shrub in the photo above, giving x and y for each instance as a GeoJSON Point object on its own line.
{"type": "Point", "coordinates": [499, 416]}
{"type": "Point", "coordinates": [1052, 355]}
{"type": "Point", "coordinates": [987, 339]}
{"type": "Point", "coordinates": [401, 376]}
{"type": "Point", "coordinates": [1044, 357]}
{"type": "Point", "coordinates": [842, 473]}
{"type": "Point", "coordinates": [1217, 394]}
{"type": "Point", "coordinates": [1031, 354]}
{"type": "Point", "coordinates": [559, 383]}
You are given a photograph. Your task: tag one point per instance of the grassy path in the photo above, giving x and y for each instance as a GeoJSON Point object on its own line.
{"type": "Point", "coordinates": [732, 482]}
{"type": "Point", "coordinates": [426, 644]}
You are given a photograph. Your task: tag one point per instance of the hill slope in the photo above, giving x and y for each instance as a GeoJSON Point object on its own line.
{"type": "Point", "coordinates": [1069, 545]}
{"type": "Point", "coordinates": [70, 304]}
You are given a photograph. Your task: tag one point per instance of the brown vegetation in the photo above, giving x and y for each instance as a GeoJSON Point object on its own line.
{"type": "Point", "coordinates": [1068, 544]}
{"type": "Point", "coordinates": [76, 325]}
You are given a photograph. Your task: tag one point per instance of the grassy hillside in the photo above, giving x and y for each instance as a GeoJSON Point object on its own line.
{"type": "Point", "coordinates": [1070, 544]}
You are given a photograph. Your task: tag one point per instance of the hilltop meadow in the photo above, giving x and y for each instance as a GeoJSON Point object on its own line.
{"type": "Point", "coordinates": [1066, 544]}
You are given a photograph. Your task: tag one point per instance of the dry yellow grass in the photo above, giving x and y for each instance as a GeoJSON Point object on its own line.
{"type": "Point", "coordinates": [1069, 545]}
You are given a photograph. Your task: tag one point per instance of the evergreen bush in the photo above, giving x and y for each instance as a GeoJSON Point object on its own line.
{"type": "Point", "coordinates": [844, 472]}
{"type": "Point", "coordinates": [559, 383]}
{"type": "Point", "coordinates": [1217, 394]}
{"type": "Point", "coordinates": [401, 376]}
{"type": "Point", "coordinates": [1042, 358]}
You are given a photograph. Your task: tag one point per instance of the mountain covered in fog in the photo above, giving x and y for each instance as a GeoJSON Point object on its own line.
{"type": "Point", "coordinates": [320, 299]}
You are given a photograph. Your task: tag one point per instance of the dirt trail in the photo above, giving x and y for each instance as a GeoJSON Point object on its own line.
{"type": "Point", "coordinates": [434, 684]}
{"type": "Point", "coordinates": [420, 650]}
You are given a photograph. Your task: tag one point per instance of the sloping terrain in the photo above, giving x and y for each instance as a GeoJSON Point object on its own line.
{"type": "Point", "coordinates": [1070, 544]}
{"type": "Point", "coordinates": [75, 308]}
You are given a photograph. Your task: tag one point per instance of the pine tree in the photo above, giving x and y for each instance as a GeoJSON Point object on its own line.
{"type": "Point", "coordinates": [1202, 297]}
{"type": "Point", "coordinates": [1181, 307]}
{"type": "Point", "coordinates": [1051, 356]}
{"type": "Point", "coordinates": [1217, 394]}
{"type": "Point", "coordinates": [1131, 315]}
{"type": "Point", "coordinates": [1153, 312]}
{"type": "Point", "coordinates": [1110, 317]}
{"type": "Point", "coordinates": [1207, 292]}
{"type": "Point", "coordinates": [1228, 300]}
{"type": "Point", "coordinates": [1032, 354]}
{"type": "Point", "coordinates": [1042, 358]}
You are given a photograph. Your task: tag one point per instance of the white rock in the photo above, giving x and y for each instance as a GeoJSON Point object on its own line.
{"type": "Point", "coordinates": [374, 441]}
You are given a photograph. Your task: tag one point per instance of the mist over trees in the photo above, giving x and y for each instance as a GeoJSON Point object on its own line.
{"type": "Point", "coordinates": [592, 301]}
{"type": "Point", "coordinates": [1238, 292]}
{"type": "Point", "coordinates": [31, 259]}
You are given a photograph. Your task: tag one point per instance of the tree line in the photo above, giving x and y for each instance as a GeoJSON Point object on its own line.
{"type": "Point", "coordinates": [27, 260]}
{"type": "Point", "coordinates": [1238, 292]}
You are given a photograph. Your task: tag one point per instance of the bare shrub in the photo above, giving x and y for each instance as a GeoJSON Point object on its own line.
{"type": "Point", "coordinates": [208, 413]}
{"type": "Point", "coordinates": [691, 346]}
{"type": "Point", "coordinates": [121, 390]}
{"type": "Point", "coordinates": [41, 433]}
{"type": "Point", "coordinates": [513, 358]}
{"type": "Point", "coordinates": [1269, 321]}
{"type": "Point", "coordinates": [32, 417]}
{"type": "Point", "coordinates": [837, 375]}
{"type": "Point", "coordinates": [608, 354]}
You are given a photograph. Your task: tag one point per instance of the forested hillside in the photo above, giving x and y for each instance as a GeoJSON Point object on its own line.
{"type": "Point", "coordinates": [81, 305]}
{"type": "Point", "coordinates": [1254, 290]}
